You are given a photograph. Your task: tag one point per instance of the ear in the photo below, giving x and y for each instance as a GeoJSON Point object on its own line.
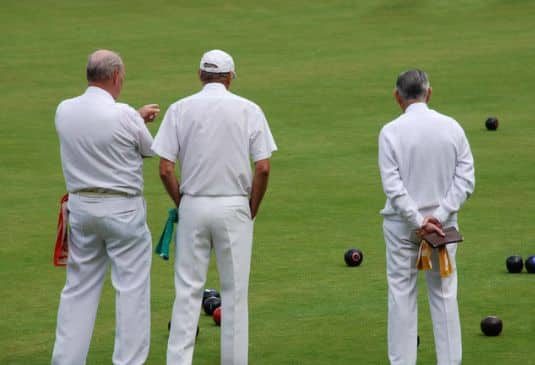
{"type": "Point", "coordinates": [116, 76]}
{"type": "Point", "coordinates": [428, 96]}
{"type": "Point", "coordinates": [228, 80]}
{"type": "Point", "coordinates": [398, 98]}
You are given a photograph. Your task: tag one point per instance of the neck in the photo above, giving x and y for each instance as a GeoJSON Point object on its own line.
{"type": "Point", "coordinates": [406, 103]}
{"type": "Point", "coordinates": [105, 86]}
{"type": "Point", "coordinates": [224, 83]}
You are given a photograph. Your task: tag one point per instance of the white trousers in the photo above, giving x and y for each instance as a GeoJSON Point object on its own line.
{"type": "Point", "coordinates": [401, 254]}
{"type": "Point", "coordinates": [104, 230]}
{"type": "Point", "coordinates": [225, 224]}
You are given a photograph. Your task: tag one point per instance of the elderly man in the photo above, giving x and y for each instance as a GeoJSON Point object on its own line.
{"type": "Point", "coordinates": [102, 148]}
{"type": "Point", "coordinates": [427, 171]}
{"type": "Point", "coordinates": [214, 134]}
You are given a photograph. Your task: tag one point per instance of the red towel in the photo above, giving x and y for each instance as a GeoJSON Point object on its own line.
{"type": "Point", "coordinates": [61, 251]}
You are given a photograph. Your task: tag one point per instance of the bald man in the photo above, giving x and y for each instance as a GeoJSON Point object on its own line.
{"type": "Point", "coordinates": [102, 148]}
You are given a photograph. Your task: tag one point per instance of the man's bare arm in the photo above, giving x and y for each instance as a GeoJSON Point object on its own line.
{"type": "Point", "coordinates": [260, 183]}
{"type": "Point", "coordinates": [169, 179]}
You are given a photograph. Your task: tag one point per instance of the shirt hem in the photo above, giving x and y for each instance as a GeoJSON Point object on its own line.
{"type": "Point", "coordinates": [164, 155]}
{"type": "Point", "coordinates": [261, 157]}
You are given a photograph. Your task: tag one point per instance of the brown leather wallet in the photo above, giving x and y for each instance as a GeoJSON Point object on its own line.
{"type": "Point", "coordinates": [452, 236]}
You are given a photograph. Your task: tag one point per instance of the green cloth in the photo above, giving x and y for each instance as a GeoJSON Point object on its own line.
{"type": "Point", "coordinates": [162, 248]}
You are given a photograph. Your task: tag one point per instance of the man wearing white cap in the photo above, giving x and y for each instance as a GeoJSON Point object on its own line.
{"type": "Point", "coordinates": [102, 148]}
{"type": "Point", "coordinates": [214, 135]}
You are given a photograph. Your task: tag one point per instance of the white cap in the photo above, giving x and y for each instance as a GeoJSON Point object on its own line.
{"type": "Point", "coordinates": [217, 61]}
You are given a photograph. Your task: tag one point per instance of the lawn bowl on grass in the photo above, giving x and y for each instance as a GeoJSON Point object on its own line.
{"type": "Point", "coordinates": [353, 257]}
{"type": "Point", "coordinates": [514, 264]}
{"type": "Point", "coordinates": [491, 326]}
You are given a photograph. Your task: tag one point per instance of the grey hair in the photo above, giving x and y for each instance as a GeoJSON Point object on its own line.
{"type": "Point", "coordinates": [102, 64]}
{"type": "Point", "coordinates": [213, 76]}
{"type": "Point", "coordinates": [412, 85]}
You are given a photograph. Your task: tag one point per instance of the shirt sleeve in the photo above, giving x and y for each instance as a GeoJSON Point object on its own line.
{"type": "Point", "coordinates": [463, 182]}
{"type": "Point", "coordinates": [393, 185]}
{"type": "Point", "coordinates": [141, 134]}
{"type": "Point", "coordinates": [261, 141]}
{"type": "Point", "coordinates": [144, 138]}
{"type": "Point", "coordinates": [166, 141]}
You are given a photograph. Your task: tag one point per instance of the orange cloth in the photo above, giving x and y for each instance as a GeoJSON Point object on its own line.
{"type": "Point", "coordinates": [61, 250]}
{"type": "Point", "coordinates": [423, 261]}
{"type": "Point", "coordinates": [444, 261]}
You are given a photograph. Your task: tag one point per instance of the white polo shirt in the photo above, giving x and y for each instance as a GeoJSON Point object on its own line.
{"type": "Point", "coordinates": [102, 143]}
{"type": "Point", "coordinates": [214, 134]}
{"type": "Point", "coordinates": [426, 166]}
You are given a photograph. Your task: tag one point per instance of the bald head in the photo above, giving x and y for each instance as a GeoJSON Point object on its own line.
{"type": "Point", "coordinates": [102, 65]}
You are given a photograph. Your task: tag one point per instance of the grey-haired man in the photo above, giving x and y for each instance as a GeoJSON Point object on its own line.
{"type": "Point", "coordinates": [102, 145]}
{"type": "Point", "coordinates": [427, 171]}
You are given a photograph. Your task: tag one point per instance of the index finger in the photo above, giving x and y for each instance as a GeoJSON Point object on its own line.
{"type": "Point", "coordinates": [439, 230]}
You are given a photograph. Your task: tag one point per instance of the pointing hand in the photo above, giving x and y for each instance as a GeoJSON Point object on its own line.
{"type": "Point", "coordinates": [149, 112]}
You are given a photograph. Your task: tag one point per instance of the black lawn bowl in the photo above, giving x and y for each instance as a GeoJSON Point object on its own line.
{"type": "Point", "coordinates": [210, 292]}
{"type": "Point", "coordinates": [210, 304]}
{"type": "Point", "coordinates": [353, 257]}
{"type": "Point", "coordinates": [514, 264]}
{"type": "Point", "coordinates": [491, 123]}
{"type": "Point", "coordinates": [491, 326]}
{"type": "Point", "coordinates": [530, 264]}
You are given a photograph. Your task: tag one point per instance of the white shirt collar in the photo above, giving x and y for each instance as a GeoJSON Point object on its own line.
{"type": "Point", "coordinates": [214, 86]}
{"type": "Point", "coordinates": [416, 107]}
{"type": "Point", "coordinates": [95, 90]}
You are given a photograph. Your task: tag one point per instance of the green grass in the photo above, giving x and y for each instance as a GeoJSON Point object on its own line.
{"type": "Point", "coordinates": [323, 73]}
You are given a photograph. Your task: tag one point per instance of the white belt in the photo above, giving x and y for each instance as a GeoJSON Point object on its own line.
{"type": "Point", "coordinates": [94, 192]}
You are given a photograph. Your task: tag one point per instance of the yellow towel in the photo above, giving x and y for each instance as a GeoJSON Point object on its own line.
{"type": "Point", "coordinates": [424, 256]}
